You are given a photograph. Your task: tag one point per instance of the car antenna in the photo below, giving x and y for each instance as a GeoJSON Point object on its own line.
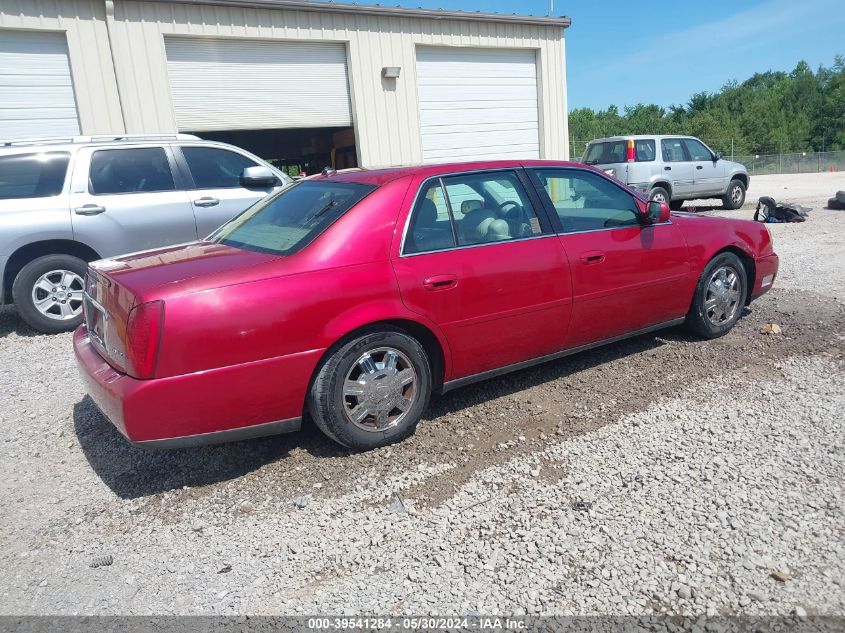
{"type": "Point", "coordinates": [329, 171]}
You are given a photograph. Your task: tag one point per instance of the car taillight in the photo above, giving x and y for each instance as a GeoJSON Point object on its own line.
{"type": "Point", "coordinates": [143, 335]}
{"type": "Point", "coordinates": [630, 154]}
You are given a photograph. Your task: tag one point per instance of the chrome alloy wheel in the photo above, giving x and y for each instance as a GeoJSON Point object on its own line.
{"type": "Point", "coordinates": [58, 295]}
{"type": "Point", "coordinates": [659, 197]}
{"type": "Point", "coordinates": [722, 295]}
{"type": "Point", "coordinates": [379, 389]}
{"type": "Point", "coordinates": [736, 195]}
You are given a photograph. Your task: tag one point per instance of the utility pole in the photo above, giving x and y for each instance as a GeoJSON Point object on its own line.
{"type": "Point", "coordinates": [551, 7]}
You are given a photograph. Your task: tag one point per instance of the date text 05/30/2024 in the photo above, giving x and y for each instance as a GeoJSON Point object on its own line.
{"type": "Point", "coordinates": [417, 624]}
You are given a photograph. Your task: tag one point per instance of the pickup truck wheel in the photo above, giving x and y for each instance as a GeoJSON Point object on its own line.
{"type": "Point", "coordinates": [372, 391]}
{"type": "Point", "coordinates": [719, 297]}
{"type": "Point", "coordinates": [659, 194]}
{"type": "Point", "coordinates": [48, 293]}
{"type": "Point", "coordinates": [735, 197]}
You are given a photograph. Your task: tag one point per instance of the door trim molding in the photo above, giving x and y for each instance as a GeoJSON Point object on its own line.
{"type": "Point", "coordinates": [492, 373]}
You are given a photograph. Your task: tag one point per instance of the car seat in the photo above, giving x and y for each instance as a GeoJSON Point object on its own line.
{"type": "Point", "coordinates": [481, 226]}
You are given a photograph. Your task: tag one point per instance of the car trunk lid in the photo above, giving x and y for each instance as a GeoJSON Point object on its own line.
{"type": "Point", "coordinates": [114, 287]}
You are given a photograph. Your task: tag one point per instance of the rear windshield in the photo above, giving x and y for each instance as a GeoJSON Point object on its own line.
{"type": "Point", "coordinates": [284, 223]}
{"type": "Point", "coordinates": [32, 175]}
{"type": "Point", "coordinates": [617, 151]}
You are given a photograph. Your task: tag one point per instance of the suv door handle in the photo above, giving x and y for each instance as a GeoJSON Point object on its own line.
{"type": "Point", "coordinates": [206, 201]}
{"type": "Point", "coordinates": [89, 209]}
{"type": "Point", "coordinates": [440, 282]}
{"type": "Point", "coordinates": [667, 168]}
{"type": "Point", "coordinates": [699, 167]}
{"type": "Point", "coordinates": [592, 257]}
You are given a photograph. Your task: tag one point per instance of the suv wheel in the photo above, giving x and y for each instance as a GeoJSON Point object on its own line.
{"type": "Point", "coordinates": [660, 194]}
{"type": "Point", "coordinates": [735, 197]}
{"type": "Point", "coordinates": [372, 391]}
{"type": "Point", "coordinates": [48, 293]}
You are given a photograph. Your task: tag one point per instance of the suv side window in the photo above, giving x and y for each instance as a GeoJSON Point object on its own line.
{"type": "Point", "coordinates": [131, 170]}
{"type": "Point", "coordinates": [585, 201]}
{"type": "Point", "coordinates": [696, 150]}
{"type": "Point", "coordinates": [215, 168]}
{"type": "Point", "coordinates": [33, 175]}
{"type": "Point", "coordinates": [672, 150]}
{"type": "Point", "coordinates": [644, 149]}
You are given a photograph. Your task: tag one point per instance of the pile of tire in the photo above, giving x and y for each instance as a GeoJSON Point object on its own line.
{"type": "Point", "coordinates": [837, 202]}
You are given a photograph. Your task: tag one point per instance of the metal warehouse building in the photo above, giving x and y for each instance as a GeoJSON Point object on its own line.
{"type": "Point", "coordinates": [290, 80]}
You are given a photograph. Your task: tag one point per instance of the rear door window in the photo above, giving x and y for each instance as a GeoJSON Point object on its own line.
{"type": "Point", "coordinates": [131, 170]}
{"type": "Point", "coordinates": [471, 209]}
{"type": "Point", "coordinates": [673, 150]}
{"type": "Point", "coordinates": [37, 175]}
{"type": "Point", "coordinates": [215, 168]}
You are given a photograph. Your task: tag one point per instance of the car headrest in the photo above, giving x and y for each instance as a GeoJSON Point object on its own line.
{"type": "Point", "coordinates": [427, 214]}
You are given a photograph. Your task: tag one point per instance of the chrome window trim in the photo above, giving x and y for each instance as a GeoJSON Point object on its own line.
{"type": "Point", "coordinates": [614, 228]}
{"type": "Point", "coordinates": [440, 177]}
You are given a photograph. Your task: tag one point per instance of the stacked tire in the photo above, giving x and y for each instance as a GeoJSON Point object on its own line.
{"type": "Point", "coordinates": [837, 202]}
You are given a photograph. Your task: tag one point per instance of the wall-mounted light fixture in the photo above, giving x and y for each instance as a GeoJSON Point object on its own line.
{"type": "Point", "coordinates": [391, 72]}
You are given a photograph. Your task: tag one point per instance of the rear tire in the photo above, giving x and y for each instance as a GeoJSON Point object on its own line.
{"type": "Point", "coordinates": [48, 293]}
{"type": "Point", "coordinates": [735, 197]}
{"type": "Point", "coordinates": [372, 390]}
{"type": "Point", "coordinates": [660, 194]}
{"type": "Point", "coordinates": [719, 297]}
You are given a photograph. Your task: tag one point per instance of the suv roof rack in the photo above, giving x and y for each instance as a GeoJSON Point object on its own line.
{"type": "Point", "coordinates": [98, 138]}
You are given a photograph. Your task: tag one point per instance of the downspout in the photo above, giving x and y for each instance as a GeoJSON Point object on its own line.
{"type": "Point", "coordinates": [109, 30]}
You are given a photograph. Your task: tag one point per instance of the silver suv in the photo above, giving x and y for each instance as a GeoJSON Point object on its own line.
{"type": "Point", "coordinates": [66, 202]}
{"type": "Point", "coordinates": [670, 168]}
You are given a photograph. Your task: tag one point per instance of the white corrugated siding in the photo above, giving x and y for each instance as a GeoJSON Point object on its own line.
{"type": "Point", "coordinates": [36, 87]}
{"type": "Point", "coordinates": [477, 104]}
{"type": "Point", "coordinates": [226, 84]}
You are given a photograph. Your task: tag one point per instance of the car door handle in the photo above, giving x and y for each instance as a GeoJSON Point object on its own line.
{"type": "Point", "coordinates": [667, 168]}
{"type": "Point", "coordinates": [89, 209]}
{"type": "Point", "coordinates": [206, 201]}
{"type": "Point", "coordinates": [699, 166]}
{"type": "Point", "coordinates": [440, 282]}
{"type": "Point", "coordinates": [592, 257]}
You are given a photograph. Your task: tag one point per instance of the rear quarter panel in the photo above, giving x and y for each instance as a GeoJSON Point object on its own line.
{"type": "Point", "coordinates": [304, 302]}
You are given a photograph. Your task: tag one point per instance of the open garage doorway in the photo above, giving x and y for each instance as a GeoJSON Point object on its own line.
{"type": "Point", "coordinates": [298, 151]}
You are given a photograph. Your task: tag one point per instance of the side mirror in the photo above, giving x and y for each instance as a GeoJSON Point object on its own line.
{"type": "Point", "coordinates": [656, 212]}
{"type": "Point", "coordinates": [717, 156]}
{"type": "Point", "coordinates": [258, 177]}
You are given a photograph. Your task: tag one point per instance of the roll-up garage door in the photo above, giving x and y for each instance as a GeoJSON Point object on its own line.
{"type": "Point", "coordinates": [477, 104]}
{"type": "Point", "coordinates": [36, 90]}
{"type": "Point", "coordinates": [231, 84]}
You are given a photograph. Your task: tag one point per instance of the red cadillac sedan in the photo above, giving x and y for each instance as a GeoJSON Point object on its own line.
{"type": "Point", "coordinates": [353, 296]}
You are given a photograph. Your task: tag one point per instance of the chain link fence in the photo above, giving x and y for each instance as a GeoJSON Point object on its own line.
{"type": "Point", "coordinates": [759, 164]}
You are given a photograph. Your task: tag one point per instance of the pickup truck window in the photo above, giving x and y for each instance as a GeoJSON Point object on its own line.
{"type": "Point", "coordinates": [37, 175]}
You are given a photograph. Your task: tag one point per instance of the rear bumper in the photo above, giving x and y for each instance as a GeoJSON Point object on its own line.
{"type": "Point", "coordinates": [766, 270]}
{"type": "Point", "coordinates": [209, 407]}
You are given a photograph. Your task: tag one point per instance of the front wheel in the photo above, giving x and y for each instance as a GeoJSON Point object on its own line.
{"type": "Point", "coordinates": [735, 197]}
{"type": "Point", "coordinates": [48, 293]}
{"type": "Point", "coordinates": [660, 194]}
{"type": "Point", "coordinates": [372, 390]}
{"type": "Point", "coordinates": [719, 297]}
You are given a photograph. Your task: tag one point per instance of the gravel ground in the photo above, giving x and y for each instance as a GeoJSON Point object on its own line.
{"type": "Point", "coordinates": [659, 474]}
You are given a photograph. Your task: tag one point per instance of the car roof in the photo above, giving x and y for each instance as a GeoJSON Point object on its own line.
{"type": "Point", "coordinates": [381, 176]}
{"type": "Point", "coordinates": [624, 137]}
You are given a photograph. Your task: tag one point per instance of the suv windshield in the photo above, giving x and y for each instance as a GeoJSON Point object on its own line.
{"type": "Point", "coordinates": [286, 222]}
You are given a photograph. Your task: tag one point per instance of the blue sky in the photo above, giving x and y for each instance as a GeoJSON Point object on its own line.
{"type": "Point", "coordinates": [661, 51]}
